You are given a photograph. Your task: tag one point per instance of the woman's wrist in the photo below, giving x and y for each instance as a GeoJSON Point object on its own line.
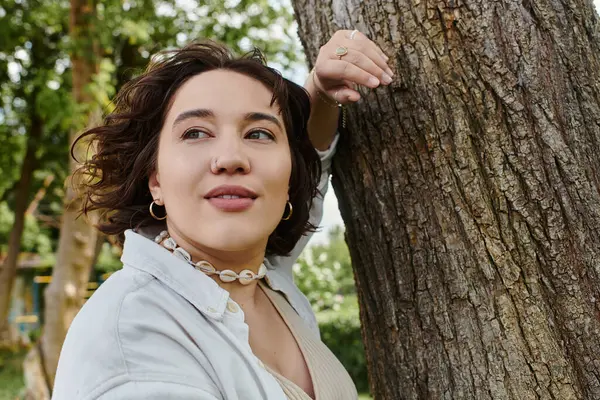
{"type": "Point", "coordinates": [324, 115]}
{"type": "Point", "coordinates": [321, 94]}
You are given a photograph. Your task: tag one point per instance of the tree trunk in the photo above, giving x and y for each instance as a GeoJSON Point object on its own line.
{"type": "Point", "coordinates": [64, 296]}
{"type": "Point", "coordinates": [32, 208]}
{"type": "Point", "coordinates": [470, 194]}
{"type": "Point", "coordinates": [8, 272]}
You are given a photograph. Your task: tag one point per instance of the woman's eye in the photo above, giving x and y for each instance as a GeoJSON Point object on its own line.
{"type": "Point", "coordinates": [194, 133]}
{"type": "Point", "coordinates": [260, 135]}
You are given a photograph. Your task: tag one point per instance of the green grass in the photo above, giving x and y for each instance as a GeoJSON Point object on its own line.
{"type": "Point", "coordinates": [11, 374]}
{"type": "Point", "coordinates": [364, 396]}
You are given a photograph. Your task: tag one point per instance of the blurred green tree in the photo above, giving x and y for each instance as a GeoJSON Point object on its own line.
{"type": "Point", "coordinates": [30, 116]}
{"type": "Point", "coordinates": [324, 272]}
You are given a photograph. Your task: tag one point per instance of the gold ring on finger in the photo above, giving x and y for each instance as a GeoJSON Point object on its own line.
{"type": "Point", "coordinates": [341, 52]}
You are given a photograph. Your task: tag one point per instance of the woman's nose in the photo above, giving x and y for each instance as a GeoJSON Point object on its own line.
{"type": "Point", "coordinates": [230, 158]}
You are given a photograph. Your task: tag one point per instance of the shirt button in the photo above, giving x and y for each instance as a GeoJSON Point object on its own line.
{"type": "Point", "coordinates": [231, 306]}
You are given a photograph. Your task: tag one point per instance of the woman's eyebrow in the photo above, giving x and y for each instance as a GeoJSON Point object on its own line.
{"type": "Point", "coordinates": [206, 113]}
{"type": "Point", "coordinates": [196, 113]}
{"type": "Point", "coordinates": [259, 116]}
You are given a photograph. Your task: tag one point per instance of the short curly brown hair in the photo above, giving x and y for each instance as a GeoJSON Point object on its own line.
{"type": "Point", "coordinates": [126, 144]}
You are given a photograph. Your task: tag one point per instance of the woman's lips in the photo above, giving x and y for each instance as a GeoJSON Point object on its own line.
{"type": "Point", "coordinates": [231, 197]}
{"type": "Point", "coordinates": [231, 204]}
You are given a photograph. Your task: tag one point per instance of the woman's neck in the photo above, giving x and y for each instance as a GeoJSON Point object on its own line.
{"type": "Point", "coordinates": [236, 261]}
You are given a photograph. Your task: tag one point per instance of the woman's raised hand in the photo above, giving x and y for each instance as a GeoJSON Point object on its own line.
{"type": "Point", "coordinates": [348, 59]}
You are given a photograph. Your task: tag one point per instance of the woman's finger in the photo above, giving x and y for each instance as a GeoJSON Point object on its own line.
{"type": "Point", "coordinates": [334, 71]}
{"type": "Point", "coordinates": [369, 60]}
{"type": "Point", "coordinates": [344, 95]}
{"type": "Point", "coordinates": [355, 35]}
{"type": "Point", "coordinates": [358, 35]}
{"type": "Point", "coordinates": [363, 64]}
{"type": "Point", "coordinates": [371, 50]}
{"type": "Point", "coordinates": [349, 84]}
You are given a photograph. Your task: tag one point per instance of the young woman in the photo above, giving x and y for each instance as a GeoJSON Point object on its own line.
{"type": "Point", "coordinates": [207, 173]}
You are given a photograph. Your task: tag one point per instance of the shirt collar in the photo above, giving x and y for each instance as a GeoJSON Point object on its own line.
{"type": "Point", "coordinates": [144, 254]}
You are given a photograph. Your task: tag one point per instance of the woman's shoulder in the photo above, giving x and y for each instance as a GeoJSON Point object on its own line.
{"type": "Point", "coordinates": [130, 325]}
{"type": "Point", "coordinates": [108, 300]}
{"type": "Point", "coordinates": [129, 300]}
{"type": "Point", "coordinates": [100, 313]}
{"type": "Point", "coordinates": [91, 352]}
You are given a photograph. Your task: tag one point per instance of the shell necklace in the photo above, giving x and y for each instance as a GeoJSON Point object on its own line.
{"type": "Point", "coordinates": [227, 276]}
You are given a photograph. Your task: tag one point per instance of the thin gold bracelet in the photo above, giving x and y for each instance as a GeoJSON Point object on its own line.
{"type": "Point", "coordinates": [327, 100]}
{"type": "Point", "coordinates": [322, 95]}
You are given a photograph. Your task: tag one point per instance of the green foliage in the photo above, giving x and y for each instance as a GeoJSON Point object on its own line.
{"type": "Point", "coordinates": [131, 32]}
{"type": "Point", "coordinates": [340, 331]}
{"type": "Point", "coordinates": [6, 221]}
{"type": "Point", "coordinates": [35, 237]}
{"type": "Point", "coordinates": [324, 272]}
{"type": "Point", "coordinates": [109, 258]}
{"type": "Point", "coordinates": [32, 94]}
{"type": "Point", "coordinates": [11, 374]}
{"type": "Point", "coordinates": [11, 154]}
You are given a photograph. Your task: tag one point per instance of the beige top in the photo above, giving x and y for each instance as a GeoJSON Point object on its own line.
{"type": "Point", "coordinates": [329, 377]}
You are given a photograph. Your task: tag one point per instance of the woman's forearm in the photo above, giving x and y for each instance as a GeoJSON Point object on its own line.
{"type": "Point", "coordinates": [323, 121]}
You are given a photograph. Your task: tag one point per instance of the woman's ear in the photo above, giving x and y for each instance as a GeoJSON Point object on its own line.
{"type": "Point", "coordinates": [154, 186]}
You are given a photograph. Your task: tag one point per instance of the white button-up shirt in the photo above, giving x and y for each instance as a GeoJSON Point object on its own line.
{"type": "Point", "coordinates": [160, 329]}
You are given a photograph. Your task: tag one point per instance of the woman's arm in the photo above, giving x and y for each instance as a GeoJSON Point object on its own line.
{"type": "Point", "coordinates": [324, 116]}
{"type": "Point", "coordinates": [333, 80]}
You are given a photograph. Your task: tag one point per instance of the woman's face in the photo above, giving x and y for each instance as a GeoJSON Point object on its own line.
{"type": "Point", "coordinates": [224, 163]}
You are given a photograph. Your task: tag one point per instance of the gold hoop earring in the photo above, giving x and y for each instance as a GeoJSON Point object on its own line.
{"type": "Point", "coordinates": [154, 215]}
{"type": "Point", "coordinates": [287, 217]}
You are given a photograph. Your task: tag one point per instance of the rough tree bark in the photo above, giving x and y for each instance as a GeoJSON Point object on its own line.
{"type": "Point", "coordinates": [64, 296]}
{"type": "Point", "coordinates": [8, 272]}
{"type": "Point", "coordinates": [470, 194]}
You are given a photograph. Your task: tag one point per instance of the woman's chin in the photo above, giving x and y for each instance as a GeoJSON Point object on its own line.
{"type": "Point", "coordinates": [232, 240]}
